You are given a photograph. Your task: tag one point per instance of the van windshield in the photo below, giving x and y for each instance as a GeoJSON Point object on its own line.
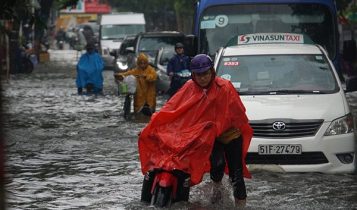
{"type": "Point", "coordinates": [151, 45]}
{"type": "Point", "coordinates": [110, 32]}
{"type": "Point", "coordinates": [155, 43]}
{"type": "Point", "coordinates": [278, 74]}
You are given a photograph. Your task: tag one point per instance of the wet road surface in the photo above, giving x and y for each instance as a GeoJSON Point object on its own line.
{"type": "Point", "coordinates": [66, 151]}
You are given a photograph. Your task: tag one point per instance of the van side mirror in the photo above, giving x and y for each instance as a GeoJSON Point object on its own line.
{"type": "Point", "coordinates": [113, 53]}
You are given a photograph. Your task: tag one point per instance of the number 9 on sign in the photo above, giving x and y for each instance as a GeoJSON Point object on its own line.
{"type": "Point", "coordinates": [221, 20]}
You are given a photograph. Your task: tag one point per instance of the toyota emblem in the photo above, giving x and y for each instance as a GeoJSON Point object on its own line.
{"type": "Point", "coordinates": [279, 126]}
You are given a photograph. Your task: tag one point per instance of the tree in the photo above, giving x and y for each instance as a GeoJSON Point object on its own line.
{"type": "Point", "coordinates": [161, 14]}
{"type": "Point", "coordinates": [184, 14]}
{"type": "Point", "coordinates": [342, 5]}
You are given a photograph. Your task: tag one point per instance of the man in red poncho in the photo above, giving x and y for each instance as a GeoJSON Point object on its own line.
{"type": "Point", "coordinates": [200, 129]}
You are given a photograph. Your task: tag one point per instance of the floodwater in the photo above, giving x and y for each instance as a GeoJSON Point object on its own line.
{"type": "Point", "coordinates": [66, 151]}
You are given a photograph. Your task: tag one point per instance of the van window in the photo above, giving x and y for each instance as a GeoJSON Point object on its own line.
{"type": "Point", "coordinates": [120, 31]}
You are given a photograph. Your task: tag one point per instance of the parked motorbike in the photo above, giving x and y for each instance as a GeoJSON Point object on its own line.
{"type": "Point", "coordinates": [178, 80]}
{"type": "Point", "coordinates": [60, 44]}
{"type": "Point", "coordinates": [26, 65]}
{"type": "Point", "coordinates": [27, 60]}
{"type": "Point", "coordinates": [73, 42]}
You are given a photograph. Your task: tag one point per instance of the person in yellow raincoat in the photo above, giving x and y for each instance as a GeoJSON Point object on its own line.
{"type": "Point", "coordinates": [146, 84]}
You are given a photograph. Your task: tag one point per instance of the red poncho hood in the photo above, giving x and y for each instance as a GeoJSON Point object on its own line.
{"type": "Point", "coordinates": [182, 133]}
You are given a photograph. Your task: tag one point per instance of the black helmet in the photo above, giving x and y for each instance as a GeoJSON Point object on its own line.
{"type": "Point", "coordinates": [179, 45]}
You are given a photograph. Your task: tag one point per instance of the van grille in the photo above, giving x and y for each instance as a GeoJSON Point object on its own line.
{"type": "Point", "coordinates": [304, 158]}
{"type": "Point", "coordinates": [285, 128]}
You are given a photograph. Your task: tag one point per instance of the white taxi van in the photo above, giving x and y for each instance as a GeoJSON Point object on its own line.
{"type": "Point", "coordinates": [295, 103]}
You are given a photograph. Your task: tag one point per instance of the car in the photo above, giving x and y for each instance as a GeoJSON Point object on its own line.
{"type": "Point", "coordinates": [159, 46]}
{"type": "Point", "coordinates": [161, 61]}
{"type": "Point", "coordinates": [124, 57]}
{"type": "Point", "coordinates": [145, 42]}
{"type": "Point", "coordinates": [295, 103]}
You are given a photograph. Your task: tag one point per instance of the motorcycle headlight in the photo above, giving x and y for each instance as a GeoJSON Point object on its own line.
{"type": "Point", "coordinates": [340, 126]}
{"type": "Point", "coordinates": [122, 66]}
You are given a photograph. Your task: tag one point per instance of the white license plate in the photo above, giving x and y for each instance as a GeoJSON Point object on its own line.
{"type": "Point", "coordinates": [279, 149]}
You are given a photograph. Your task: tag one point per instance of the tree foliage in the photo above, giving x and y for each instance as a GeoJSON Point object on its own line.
{"type": "Point", "coordinates": [15, 9]}
{"type": "Point", "coordinates": [163, 14]}
{"type": "Point", "coordinates": [342, 5]}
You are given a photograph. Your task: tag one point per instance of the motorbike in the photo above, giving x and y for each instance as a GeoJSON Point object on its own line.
{"type": "Point", "coordinates": [169, 154]}
{"type": "Point", "coordinates": [127, 87]}
{"type": "Point", "coordinates": [178, 80]}
{"type": "Point", "coordinates": [27, 65]}
{"type": "Point", "coordinates": [167, 183]}
{"type": "Point", "coordinates": [60, 44]}
{"type": "Point", "coordinates": [73, 42]}
{"type": "Point", "coordinates": [27, 60]}
{"type": "Point", "coordinates": [163, 187]}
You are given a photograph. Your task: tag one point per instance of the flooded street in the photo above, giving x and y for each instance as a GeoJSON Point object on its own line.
{"type": "Point", "coordinates": [66, 151]}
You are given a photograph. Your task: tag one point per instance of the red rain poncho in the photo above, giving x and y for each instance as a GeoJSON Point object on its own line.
{"type": "Point", "coordinates": [182, 133]}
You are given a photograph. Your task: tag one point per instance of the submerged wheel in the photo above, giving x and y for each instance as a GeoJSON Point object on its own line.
{"type": "Point", "coordinates": [148, 181]}
{"type": "Point", "coordinates": [162, 196]}
{"type": "Point", "coordinates": [126, 108]}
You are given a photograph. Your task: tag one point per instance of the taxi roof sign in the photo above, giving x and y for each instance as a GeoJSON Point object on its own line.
{"type": "Point", "coordinates": [269, 38]}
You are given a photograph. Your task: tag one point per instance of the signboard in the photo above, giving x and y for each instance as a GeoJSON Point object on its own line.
{"type": "Point", "coordinates": [261, 38]}
{"type": "Point", "coordinates": [89, 6]}
{"type": "Point", "coordinates": [79, 8]}
{"type": "Point", "coordinates": [97, 6]}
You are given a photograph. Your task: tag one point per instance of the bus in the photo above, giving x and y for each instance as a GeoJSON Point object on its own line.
{"type": "Point", "coordinates": [218, 21]}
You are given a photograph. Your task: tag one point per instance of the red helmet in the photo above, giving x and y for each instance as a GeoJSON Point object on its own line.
{"type": "Point", "coordinates": [201, 63]}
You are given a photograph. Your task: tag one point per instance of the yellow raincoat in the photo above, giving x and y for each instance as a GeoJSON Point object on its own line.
{"type": "Point", "coordinates": [146, 84]}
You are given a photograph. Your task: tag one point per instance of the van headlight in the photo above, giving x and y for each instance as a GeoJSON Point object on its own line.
{"type": "Point", "coordinates": [341, 125]}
